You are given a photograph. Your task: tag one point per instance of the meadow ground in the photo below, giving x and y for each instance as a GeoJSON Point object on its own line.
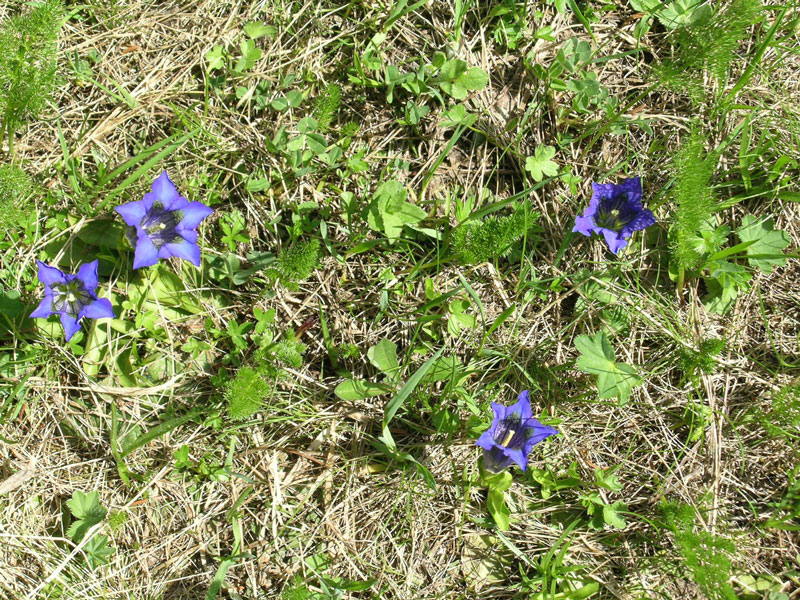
{"type": "Point", "coordinates": [394, 187]}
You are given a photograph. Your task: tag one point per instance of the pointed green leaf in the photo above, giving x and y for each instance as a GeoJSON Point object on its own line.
{"type": "Point", "coordinates": [356, 389]}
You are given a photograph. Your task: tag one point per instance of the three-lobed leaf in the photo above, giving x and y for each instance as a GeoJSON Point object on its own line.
{"type": "Point", "coordinates": [250, 54]}
{"type": "Point", "coordinates": [255, 30]}
{"type": "Point", "coordinates": [540, 164]}
{"type": "Point", "coordinates": [614, 380]}
{"type": "Point", "coordinates": [768, 243]}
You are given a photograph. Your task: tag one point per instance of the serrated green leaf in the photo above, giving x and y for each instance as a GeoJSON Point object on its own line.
{"type": "Point", "coordinates": [768, 243]}
{"type": "Point", "coordinates": [215, 58]}
{"type": "Point", "coordinates": [389, 211]}
{"type": "Point", "coordinates": [474, 79]}
{"type": "Point", "coordinates": [452, 69]}
{"type": "Point", "coordinates": [307, 125]}
{"type": "Point", "coordinates": [540, 164]}
{"type": "Point", "coordinates": [87, 511]}
{"type": "Point", "coordinates": [597, 358]}
{"type": "Point", "coordinates": [611, 515]}
{"type": "Point", "coordinates": [457, 115]}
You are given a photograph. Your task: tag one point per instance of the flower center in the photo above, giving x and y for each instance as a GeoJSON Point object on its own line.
{"type": "Point", "coordinates": [612, 214]}
{"type": "Point", "coordinates": [70, 297]}
{"type": "Point", "coordinates": [160, 224]}
{"type": "Point", "coordinates": [510, 433]}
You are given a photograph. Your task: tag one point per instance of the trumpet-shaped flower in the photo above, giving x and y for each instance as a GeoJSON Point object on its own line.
{"type": "Point", "coordinates": [72, 297]}
{"type": "Point", "coordinates": [163, 224]}
{"type": "Point", "coordinates": [616, 211]}
{"type": "Point", "coordinates": [512, 435]}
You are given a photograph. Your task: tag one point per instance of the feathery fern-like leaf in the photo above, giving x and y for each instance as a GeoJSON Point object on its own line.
{"type": "Point", "coordinates": [296, 263]}
{"type": "Point", "coordinates": [693, 198]}
{"type": "Point", "coordinates": [326, 105]}
{"type": "Point", "coordinates": [28, 63]}
{"type": "Point", "coordinates": [479, 241]}
{"type": "Point", "coordinates": [15, 190]}
{"type": "Point", "coordinates": [707, 45]}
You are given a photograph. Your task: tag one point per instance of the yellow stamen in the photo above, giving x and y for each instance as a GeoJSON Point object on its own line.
{"type": "Point", "coordinates": [509, 435]}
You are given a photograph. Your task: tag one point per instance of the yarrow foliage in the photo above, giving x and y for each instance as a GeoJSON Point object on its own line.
{"type": "Point", "coordinates": [72, 297]}
{"type": "Point", "coordinates": [163, 224]}
{"type": "Point", "coordinates": [512, 435]}
{"type": "Point", "coordinates": [616, 211]}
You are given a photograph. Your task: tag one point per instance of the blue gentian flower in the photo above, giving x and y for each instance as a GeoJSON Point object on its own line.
{"type": "Point", "coordinates": [512, 435]}
{"type": "Point", "coordinates": [163, 224]}
{"type": "Point", "coordinates": [616, 211]}
{"type": "Point", "coordinates": [72, 297]}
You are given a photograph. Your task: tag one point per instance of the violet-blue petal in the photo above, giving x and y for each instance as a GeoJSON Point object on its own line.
{"type": "Point", "coordinates": [185, 250]}
{"type": "Point", "coordinates": [584, 225]}
{"type": "Point", "coordinates": [518, 456]}
{"type": "Point", "coordinates": [190, 235]}
{"type": "Point", "coordinates": [486, 440]}
{"type": "Point", "coordinates": [45, 308]}
{"type": "Point", "coordinates": [602, 191]}
{"type": "Point", "coordinates": [615, 243]}
{"type": "Point", "coordinates": [50, 275]}
{"type": "Point", "coordinates": [99, 309]}
{"type": "Point", "coordinates": [87, 274]}
{"type": "Point", "coordinates": [164, 191]}
{"type": "Point", "coordinates": [145, 254]}
{"type": "Point", "coordinates": [499, 411]}
{"type": "Point", "coordinates": [521, 408]}
{"type": "Point", "coordinates": [70, 324]}
{"type": "Point", "coordinates": [641, 221]}
{"type": "Point", "coordinates": [536, 433]}
{"type": "Point", "coordinates": [132, 212]}
{"type": "Point", "coordinates": [632, 187]}
{"type": "Point", "coordinates": [193, 213]}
